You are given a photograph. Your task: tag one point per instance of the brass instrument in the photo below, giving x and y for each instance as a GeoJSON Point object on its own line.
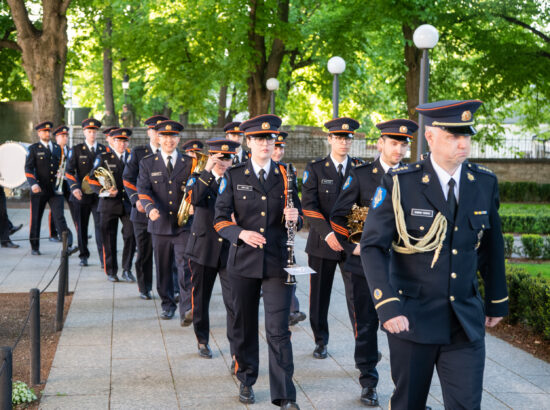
{"type": "Point", "coordinates": [356, 220]}
{"type": "Point", "coordinates": [106, 179]}
{"type": "Point", "coordinates": [86, 188]}
{"type": "Point", "coordinates": [61, 174]}
{"type": "Point", "coordinates": [185, 207]}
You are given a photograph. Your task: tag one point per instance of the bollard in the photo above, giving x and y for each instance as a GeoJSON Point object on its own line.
{"type": "Point", "coordinates": [61, 285]}
{"type": "Point", "coordinates": [5, 378]}
{"type": "Point", "coordinates": [35, 336]}
{"type": "Point", "coordinates": [65, 258]}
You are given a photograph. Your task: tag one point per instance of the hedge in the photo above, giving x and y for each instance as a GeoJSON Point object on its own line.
{"type": "Point", "coordinates": [508, 245]}
{"type": "Point", "coordinates": [524, 192]}
{"type": "Point", "coordinates": [521, 223]}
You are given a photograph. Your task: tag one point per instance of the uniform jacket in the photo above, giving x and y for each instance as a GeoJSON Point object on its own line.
{"type": "Point", "coordinates": [320, 188]}
{"type": "Point", "coordinates": [205, 246]}
{"type": "Point", "coordinates": [79, 165]}
{"type": "Point", "coordinates": [246, 157]}
{"type": "Point", "coordinates": [255, 209]}
{"type": "Point", "coordinates": [408, 285]}
{"type": "Point", "coordinates": [158, 190]}
{"type": "Point", "coordinates": [130, 177]}
{"type": "Point", "coordinates": [358, 189]}
{"type": "Point", "coordinates": [120, 204]}
{"type": "Point", "coordinates": [41, 166]}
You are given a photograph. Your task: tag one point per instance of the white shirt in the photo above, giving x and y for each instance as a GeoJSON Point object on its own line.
{"type": "Point", "coordinates": [119, 155]}
{"type": "Point", "coordinates": [153, 149]}
{"type": "Point", "coordinates": [257, 168]}
{"type": "Point", "coordinates": [444, 178]}
{"type": "Point", "coordinates": [240, 155]}
{"type": "Point", "coordinates": [174, 156]}
{"type": "Point", "coordinates": [91, 146]}
{"type": "Point", "coordinates": [336, 163]}
{"type": "Point", "coordinates": [49, 145]}
{"type": "Point", "coordinates": [216, 176]}
{"type": "Point", "coordinates": [386, 166]}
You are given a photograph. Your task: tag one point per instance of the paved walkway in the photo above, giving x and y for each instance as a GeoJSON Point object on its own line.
{"type": "Point", "coordinates": [115, 353]}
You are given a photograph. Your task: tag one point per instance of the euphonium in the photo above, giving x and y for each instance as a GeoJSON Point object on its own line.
{"type": "Point", "coordinates": [185, 206]}
{"type": "Point", "coordinates": [106, 179]}
{"type": "Point", "coordinates": [356, 220]}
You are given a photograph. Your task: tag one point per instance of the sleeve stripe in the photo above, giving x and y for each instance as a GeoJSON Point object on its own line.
{"type": "Point", "coordinates": [69, 176]}
{"type": "Point", "coordinates": [340, 229]}
{"type": "Point", "coordinates": [313, 214]}
{"type": "Point", "coordinates": [223, 224]}
{"type": "Point", "coordinates": [386, 301]}
{"type": "Point", "coordinates": [141, 196]}
{"type": "Point", "coordinates": [129, 185]}
{"type": "Point", "coordinates": [500, 300]}
{"type": "Point", "coordinates": [28, 175]}
{"type": "Point", "coordinates": [92, 181]}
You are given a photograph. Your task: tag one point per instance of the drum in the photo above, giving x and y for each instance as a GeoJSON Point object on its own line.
{"type": "Point", "coordinates": [12, 164]}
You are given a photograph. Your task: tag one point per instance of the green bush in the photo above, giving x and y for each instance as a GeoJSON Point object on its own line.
{"type": "Point", "coordinates": [546, 248]}
{"type": "Point", "coordinates": [521, 223]}
{"type": "Point", "coordinates": [524, 192]}
{"type": "Point", "coordinates": [508, 245]}
{"type": "Point", "coordinates": [532, 245]}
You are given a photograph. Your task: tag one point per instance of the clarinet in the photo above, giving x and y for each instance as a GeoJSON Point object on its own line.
{"type": "Point", "coordinates": [290, 227]}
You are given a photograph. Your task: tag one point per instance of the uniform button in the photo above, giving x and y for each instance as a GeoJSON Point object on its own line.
{"type": "Point", "coordinates": [123, 190]}
{"type": "Point", "coordinates": [171, 213]}
{"type": "Point", "coordinates": [170, 203]}
{"type": "Point", "coordinates": [263, 198]}
{"type": "Point", "coordinates": [51, 172]}
{"type": "Point", "coordinates": [170, 192]}
{"type": "Point", "coordinates": [156, 182]}
{"type": "Point", "coordinates": [244, 197]}
{"type": "Point", "coordinates": [400, 292]}
{"type": "Point", "coordinates": [452, 298]}
{"type": "Point", "coordinates": [326, 191]}
{"type": "Point", "coordinates": [453, 275]}
{"type": "Point", "coordinates": [193, 233]}
{"type": "Point", "coordinates": [261, 246]}
{"type": "Point", "coordinates": [483, 226]}
{"type": "Point", "coordinates": [208, 196]}
{"type": "Point", "coordinates": [263, 213]}
{"type": "Point", "coordinates": [455, 252]}
{"type": "Point", "coordinates": [456, 228]}
{"type": "Point", "coordinates": [262, 229]}
{"type": "Point", "coordinates": [220, 239]}
{"type": "Point", "coordinates": [169, 182]}
{"type": "Point", "coordinates": [421, 228]}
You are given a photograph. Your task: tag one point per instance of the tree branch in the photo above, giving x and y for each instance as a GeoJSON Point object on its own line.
{"type": "Point", "coordinates": [9, 44]}
{"type": "Point", "coordinates": [21, 19]}
{"type": "Point", "coordinates": [520, 23]}
{"type": "Point", "coordinates": [64, 7]}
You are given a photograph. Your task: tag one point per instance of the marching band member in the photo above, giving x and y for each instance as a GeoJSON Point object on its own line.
{"type": "Point", "coordinates": [234, 133]}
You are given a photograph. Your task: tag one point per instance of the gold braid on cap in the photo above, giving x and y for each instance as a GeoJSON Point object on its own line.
{"type": "Point", "coordinates": [433, 240]}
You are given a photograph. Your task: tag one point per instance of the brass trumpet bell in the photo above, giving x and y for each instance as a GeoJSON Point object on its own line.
{"type": "Point", "coordinates": [356, 220]}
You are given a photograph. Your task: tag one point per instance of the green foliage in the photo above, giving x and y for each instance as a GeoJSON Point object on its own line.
{"type": "Point", "coordinates": [536, 270]}
{"type": "Point", "coordinates": [526, 223]}
{"type": "Point", "coordinates": [546, 248]}
{"type": "Point", "coordinates": [21, 393]}
{"type": "Point", "coordinates": [524, 192]}
{"type": "Point", "coordinates": [532, 245]}
{"type": "Point", "coordinates": [508, 245]}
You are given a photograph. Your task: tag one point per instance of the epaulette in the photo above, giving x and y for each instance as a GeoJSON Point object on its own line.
{"type": "Point", "coordinates": [313, 161]}
{"type": "Point", "coordinates": [481, 168]}
{"type": "Point", "coordinates": [365, 164]}
{"type": "Point", "coordinates": [240, 164]}
{"type": "Point", "coordinates": [148, 155]}
{"type": "Point", "coordinates": [357, 161]}
{"type": "Point", "coordinates": [405, 169]}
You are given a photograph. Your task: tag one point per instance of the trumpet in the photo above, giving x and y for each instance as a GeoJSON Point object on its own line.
{"type": "Point", "coordinates": [356, 220]}
{"type": "Point", "coordinates": [185, 206]}
{"type": "Point", "coordinates": [60, 175]}
{"type": "Point", "coordinates": [106, 179]}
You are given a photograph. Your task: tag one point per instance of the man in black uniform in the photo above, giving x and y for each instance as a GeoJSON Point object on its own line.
{"type": "Point", "coordinates": [234, 133]}
{"type": "Point", "coordinates": [6, 227]}
{"type": "Point", "coordinates": [114, 204]}
{"type": "Point", "coordinates": [80, 162]}
{"type": "Point", "coordinates": [321, 185]}
{"type": "Point", "coordinates": [161, 182]}
{"type": "Point", "coordinates": [358, 190]}
{"type": "Point", "coordinates": [208, 251]}
{"type": "Point", "coordinates": [41, 167]}
{"type": "Point", "coordinates": [431, 226]}
{"type": "Point", "coordinates": [250, 214]}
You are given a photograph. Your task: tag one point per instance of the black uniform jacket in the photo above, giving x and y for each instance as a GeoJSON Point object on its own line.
{"type": "Point", "coordinates": [205, 246]}
{"type": "Point", "coordinates": [358, 189]}
{"type": "Point", "coordinates": [130, 177]}
{"type": "Point", "coordinates": [407, 285]}
{"type": "Point", "coordinates": [259, 209]}
{"type": "Point", "coordinates": [246, 157]}
{"type": "Point", "coordinates": [41, 166]}
{"type": "Point", "coordinates": [120, 204]}
{"type": "Point", "coordinates": [158, 190]}
{"type": "Point", "coordinates": [79, 165]}
{"type": "Point", "coordinates": [320, 188]}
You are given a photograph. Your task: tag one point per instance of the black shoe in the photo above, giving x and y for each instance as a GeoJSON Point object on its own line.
{"type": "Point", "coordinates": [35, 252]}
{"type": "Point", "coordinates": [177, 297]}
{"type": "Point", "coordinates": [320, 352]}
{"type": "Point", "coordinates": [187, 320]}
{"type": "Point", "coordinates": [369, 397]}
{"type": "Point", "coordinates": [54, 239]}
{"type": "Point", "coordinates": [83, 261]}
{"type": "Point", "coordinates": [233, 362]}
{"type": "Point", "coordinates": [145, 295]}
{"type": "Point", "coordinates": [204, 351]}
{"type": "Point", "coordinates": [15, 229]}
{"type": "Point", "coordinates": [246, 394]}
{"type": "Point", "coordinates": [289, 404]}
{"type": "Point", "coordinates": [167, 314]}
{"type": "Point", "coordinates": [127, 276]}
{"type": "Point", "coordinates": [296, 317]}
{"type": "Point", "coordinates": [112, 278]}
{"type": "Point", "coordinates": [9, 244]}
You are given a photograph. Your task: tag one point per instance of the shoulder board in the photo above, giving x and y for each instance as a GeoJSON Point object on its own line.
{"type": "Point", "coordinates": [239, 165]}
{"type": "Point", "coordinates": [357, 161]}
{"type": "Point", "coordinates": [148, 156]}
{"type": "Point", "coordinates": [316, 160]}
{"type": "Point", "coordinates": [405, 169]}
{"type": "Point", "coordinates": [480, 168]}
{"type": "Point", "coordinates": [365, 164]}
{"type": "Point", "coordinates": [140, 148]}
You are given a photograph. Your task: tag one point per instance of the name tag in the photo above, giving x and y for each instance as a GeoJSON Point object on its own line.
{"type": "Point", "coordinates": [327, 181]}
{"type": "Point", "coordinates": [156, 174]}
{"type": "Point", "coordinates": [426, 213]}
{"type": "Point", "coordinates": [83, 157]}
{"type": "Point", "coordinates": [111, 166]}
{"type": "Point", "coordinates": [244, 188]}
{"type": "Point", "coordinates": [40, 153]}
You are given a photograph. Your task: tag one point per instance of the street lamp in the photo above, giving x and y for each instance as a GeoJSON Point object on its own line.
{"type": "Point", "coordinates": [336, 65]}
{"type": "Point", "coordinates": [125, 85]}
{"type": "Point", "coordinates": [272, 85]}
{"type": "Point", "coordinates": [425, 38]}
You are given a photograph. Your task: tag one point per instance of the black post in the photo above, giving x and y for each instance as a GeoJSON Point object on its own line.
{"type": "Point", "coordinates": [35, 335]}
{"type": "Point", "coordinates": [61, 284]}
{"type": "Point", "coordinates": [335, 96]}
{"type": "Point", "coordinates": [273, 102]}
{"type": "Point", "coordinates": [65, 258]}
{"type": "Point", "coordinates": [422, 98]}
{"type": "Point", "coordinates": [6, 370]}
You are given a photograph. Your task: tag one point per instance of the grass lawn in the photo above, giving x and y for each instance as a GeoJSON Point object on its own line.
{"type": "Point", "coordinates": [524, 209]}
{"type": "Point", "coordinates": [534, 268]}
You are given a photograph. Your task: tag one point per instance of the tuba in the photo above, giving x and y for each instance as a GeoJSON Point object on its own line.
{"type": "Point", "coordinates": [185, 206]}
{"type": "Point", "coordinates": [356, 220]}
{"type": "Point", "coordinates": [106, 179]}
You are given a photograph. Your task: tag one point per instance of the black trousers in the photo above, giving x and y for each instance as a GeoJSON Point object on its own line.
{"type": "Point", "coordinates": [53, 231]}
{"type": "Point", "coordinates": [144, 257]}
{"type": "Point", "coordinates": [320, 288]}
{"type": "Point", "coordinates": [167, 250]}
{"type": "Point", "coordinates": [82, 213]}
{"type": "Point", "coordinates": [294, 303]}
{"type": "Point", "coordinates": [4, 221]}
{"type": "Point", "coordinates": [109, 228]}
{"type": "Point", "coordinates": [203, 279]}
{"type": "Point", "coordinates": [246, 299]}
{"type": "Point", "coordinates": [366, 340]}
{"type": "Point", "coordinates": [38, 204]}
{"type": "Point", "coordinates": [182, 281]}
{"type": "Point", "coordinates": [459, 365]}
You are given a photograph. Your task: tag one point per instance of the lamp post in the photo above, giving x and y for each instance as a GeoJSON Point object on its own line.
{"type": "Point", "coordinates": [425, 38]}
{"type": "Point", "coordinates": [125, 85]}
{"type": "Point", "coordinates": [336, 65]}
{"type": "Point", "coordinates": [272, 85]}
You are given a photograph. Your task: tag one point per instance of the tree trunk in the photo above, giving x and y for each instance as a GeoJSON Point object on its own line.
{"type": "Point", "coordinates": [222, 106]}
{"type": "Point", "coordinates": [44, 55]}
{"type": "Point", "coordinates": [184, 118]}
{"type": "Point", "coordinates": [412, 81]}
{"type": "Point", "coordinates": [108, 70]}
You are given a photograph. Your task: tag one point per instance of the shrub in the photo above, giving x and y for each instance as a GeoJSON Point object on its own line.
{"type": "Point", "coordinates": [532, 246]}
{"type": "Point", "coordinates": [21, 393]}
{"type": "Point", "coordinates": [521, 223]}
{"type": "Point", "coordinates": [524, 192]}
{"type": "Point", "coordinates": [508, 245]}
{"type": "Point", "coordinates": [546, 248]}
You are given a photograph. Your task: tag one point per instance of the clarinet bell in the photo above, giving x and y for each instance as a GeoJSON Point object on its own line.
{"type": "Point", "coordinates": [290, 280]}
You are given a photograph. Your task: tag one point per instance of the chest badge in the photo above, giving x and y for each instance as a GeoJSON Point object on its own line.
{"type": "Point", "coordinates": [379, 196]}
{"type": "Point", "coordinates": [471, 176]}
{"type": "Point", "coordinates": [375, 170]}
{"type": "Point", "coordinates": [425, 179]}
{"type": "Point", "coordinates": [347, 183]}
{"type": "Point", "coordinates": [246, 172]}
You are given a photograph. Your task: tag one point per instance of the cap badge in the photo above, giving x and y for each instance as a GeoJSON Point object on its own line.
{"type": "Point", "coordinates": [124, 133]}
{"type": "Point", "coordinates": [195, 146]}
{"type": "Point", "coordinates": [265, 126]}
{"type": "Point", "coordinates": [168, 127]}
{"type": "Point", "coordinates": [159, 121]}
{"type": "Point", "coordinates": [280, 138]}
{"type": "Point", "coordinates": [403, 129]}
{"type": "Point", "coordinates": [345, 126]}
{"type": "Point", "coordinates": [236, 129]}
{"type": "Point", "coordinates": [225, 147]}
{"type": "Point", "coordinates": [47, 125]}
{"type": "Point", "coordinates": [466, 116]}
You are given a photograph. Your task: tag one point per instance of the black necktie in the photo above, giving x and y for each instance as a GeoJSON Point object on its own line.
{"type": "Point", "coordinates": [158, 150]}
{"type": "Point", "coordinates": [340, 174]}
{"type": "Point", "coordinates": [262, 177]}
{"type": "Point", "coordinates": [93, 151]}
{"type": "Point", "coordinates": [170, 167]}
{"type": "Point", "coordinates": [451, 199]}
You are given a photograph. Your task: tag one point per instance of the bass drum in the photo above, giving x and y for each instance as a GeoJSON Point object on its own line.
{"type": "Point", "coordinates": [12, 164]}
